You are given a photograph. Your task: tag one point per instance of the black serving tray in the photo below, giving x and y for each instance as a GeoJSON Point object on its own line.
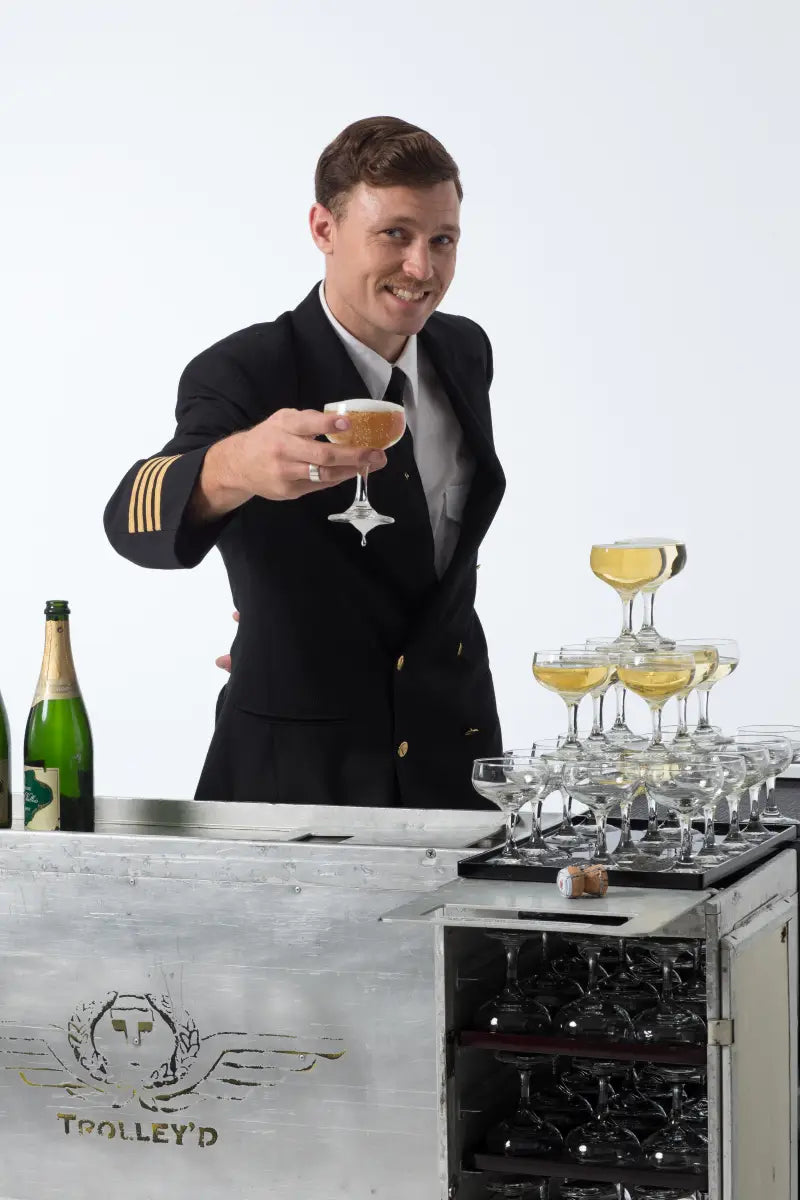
{"type": "Point", "coordinates": [486, 865]}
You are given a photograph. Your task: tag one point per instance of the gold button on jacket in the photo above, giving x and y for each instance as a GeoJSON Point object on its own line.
{"type": "Point", "coordinates": [401, 660]}
{"type": "Point", "coordinates": [402, 750]}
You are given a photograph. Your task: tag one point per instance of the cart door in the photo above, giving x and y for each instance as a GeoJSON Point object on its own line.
{"type": "Point", "coordinates": [758, 1001]}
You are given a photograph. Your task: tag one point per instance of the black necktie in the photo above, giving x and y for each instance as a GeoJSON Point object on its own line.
{"type": "Point", "coordinates": [397, 384]}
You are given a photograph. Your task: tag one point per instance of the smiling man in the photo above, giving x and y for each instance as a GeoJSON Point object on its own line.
{"type": "Point", "coordinates": [359, 675]}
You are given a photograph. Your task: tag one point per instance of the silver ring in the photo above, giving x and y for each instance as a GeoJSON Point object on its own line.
{"type": "Point", "coordinates": [313, 473]}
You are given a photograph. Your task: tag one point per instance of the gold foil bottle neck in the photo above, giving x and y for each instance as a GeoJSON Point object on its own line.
{"type": "Point", "coordinates": [57, 678]}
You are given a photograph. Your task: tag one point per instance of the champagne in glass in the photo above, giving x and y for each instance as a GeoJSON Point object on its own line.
{"type": "Point", "coordinates": [706, 659]}
{"type": "Point", "coordinates": [657, 676]}
{"type": "Point", "coordinates": [374, 425]}
{"type": "Point", "coordinates": [571, 675]}
{"type": "Point", "coordinates": [727, 662]}
{"type": "Point", "coordinates": [627, 569]}
{"type": "Point", "coordinates": [674, 553]}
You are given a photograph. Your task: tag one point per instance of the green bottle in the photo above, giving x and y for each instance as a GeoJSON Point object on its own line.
{"type": "Point", "coordinates": [5, 769]}
{"type": "Point", "coordinates": [59, 775]}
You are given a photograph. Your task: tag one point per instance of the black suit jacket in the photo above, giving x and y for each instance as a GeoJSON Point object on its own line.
{"type": "Point", "coordinates": [357, 676]}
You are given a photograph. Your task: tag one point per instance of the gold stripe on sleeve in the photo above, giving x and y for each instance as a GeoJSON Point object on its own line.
{"type": "Point", "coordinates": [158, 477]}
{"type": "Point", "coordinates": [151, 467]}
{"type": "Point", "coordinates": [134, 490]}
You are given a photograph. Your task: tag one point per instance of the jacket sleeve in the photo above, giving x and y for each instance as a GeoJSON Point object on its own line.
{"type": "Point", "coordinates": [146, 518]}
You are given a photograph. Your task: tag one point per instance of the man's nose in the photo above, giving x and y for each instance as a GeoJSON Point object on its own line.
{"type": "Point", "coordinates": [418, 261]}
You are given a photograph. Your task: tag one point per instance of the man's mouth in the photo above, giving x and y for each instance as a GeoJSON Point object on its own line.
{"type": "Point", "coordinates": [407, 295]}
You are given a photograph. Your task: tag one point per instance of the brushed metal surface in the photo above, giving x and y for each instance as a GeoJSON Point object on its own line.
{"type": "Point", "coordinates": [275, 947]}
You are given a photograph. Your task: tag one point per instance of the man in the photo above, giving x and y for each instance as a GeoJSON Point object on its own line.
{"type": "Point", "coordinates": [359, 675]}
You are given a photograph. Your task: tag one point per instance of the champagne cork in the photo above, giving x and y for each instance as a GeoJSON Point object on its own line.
{"type": "Point", "coordinates": [575, 881]}
{"type": "Point", "coordinates": [595, 880]}
{"type": "Point", "coordinates": [570, 882]}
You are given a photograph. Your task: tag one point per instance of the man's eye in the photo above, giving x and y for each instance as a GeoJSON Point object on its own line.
{"type": "Point", "coordinates": [391, 232]}
{"type": "Point", "coordinates": [444, 239]}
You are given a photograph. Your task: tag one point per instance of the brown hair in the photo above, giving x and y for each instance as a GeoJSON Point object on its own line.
{"type": "Point", "coordinates": [381, 152]}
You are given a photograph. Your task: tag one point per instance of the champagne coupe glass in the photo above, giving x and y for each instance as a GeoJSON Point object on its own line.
{"type": "Point", "coordinates": [657, 676]}
{"type": "Point", "coordinates": [600, 783]}
{"type": "Point", "coordinates": [532, 781]}
{"type": "Point", "coordinates": [627, 569]}
{"type": "Point", "coordinates": [626, 986]}
{"type": "Point", "coordinates": [772, 815]}
{"type": "Point", "coordinates": [572, 676]}
{"type": "Point", "coordinates": [491, 778]}
{"type": "Point", "coordinates": [706, 662]}
{"type": "Point", "coordinates": [678, 1146]}
{"type": "Point", "coordinates": [684, 784]}
{"type": "Point", "coordinates": [512, 1011]}
{"type": "Point", "coordinates": [779, 751]}
{"type": "Point", "coordinates": [641, 1114]}
{"type": "Point", "coordinates": [603, 1140]}
{"type": "Point", "coordinates": [727, 661]}
{"type": "Point", "coordinates": [527, 1187]}
{"type": "Point", "coordinates": [565, 836]}
{"type": "Point", "coordinates": [669, 1021]}
{"type": "Point", "coordinates": [593, 1016]}
{"type": "Point", "coordinates": [586, 1189]}
{"type": "Point", "coordinates": [558, 1105]}
{"type": "Point", "coordinates": [756, 763]}
{"type": "Point", "coordinates": [734, 769]}
{"type": "Point", "coordinates": [620, 733]}
{"type": "Point", "coordinates": [596, 736]}
{"type": "Point", "coordinates": [550, 986]}
{"type": "Point", "coordinates": [674, 561]}
{"type": "Point", "coordinates": [375, 425]}
{"type": "Point", "coordinates": [524, 1133]}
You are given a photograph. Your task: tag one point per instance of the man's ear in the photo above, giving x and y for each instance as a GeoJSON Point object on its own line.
{"type": "Point", "coordinates": [322, 224]}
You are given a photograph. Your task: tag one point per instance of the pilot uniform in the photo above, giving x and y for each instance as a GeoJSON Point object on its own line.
{"type": "Point", "coordinates": [359, 675]}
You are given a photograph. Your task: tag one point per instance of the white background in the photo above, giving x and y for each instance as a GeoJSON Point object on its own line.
{"type": "Point", "coordinates": [631, 245]}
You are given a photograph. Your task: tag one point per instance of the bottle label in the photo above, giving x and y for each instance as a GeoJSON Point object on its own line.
{"type": "Point", "coordinates": [5, 791]}
{"type": "Point", "coordinates": [57, 679]}
{"type": "Point", "coordinates": [42, 798]}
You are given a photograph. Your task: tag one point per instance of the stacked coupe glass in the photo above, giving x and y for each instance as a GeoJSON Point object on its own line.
{"type": "Point", "coordinates": [685, 773]}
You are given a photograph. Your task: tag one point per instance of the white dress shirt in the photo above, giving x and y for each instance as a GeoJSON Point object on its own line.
{"type": "Point", "coordinates": [444, 462]}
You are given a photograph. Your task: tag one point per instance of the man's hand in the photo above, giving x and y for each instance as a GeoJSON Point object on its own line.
{"type": "Point", "coordinates": [271, 460]}
{"type": "Point", "coordinates": [224, 660]}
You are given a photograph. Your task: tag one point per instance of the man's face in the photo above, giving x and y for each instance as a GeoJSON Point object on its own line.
{"type": "Point", "coordinates": [390, 259]}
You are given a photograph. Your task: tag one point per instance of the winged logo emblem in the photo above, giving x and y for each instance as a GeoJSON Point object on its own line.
{"type": "Point", "coordinates": [138, 1048]}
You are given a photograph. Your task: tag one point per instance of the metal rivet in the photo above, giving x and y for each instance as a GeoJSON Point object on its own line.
{"type": "Point", "coordinates": [406, 474]}
{"type": "Point", "coordinates": [430, 854]}
{"type": "Point", "coordinates": [132, 882]}
{"type": "Point", "coordinates": [298, 889]}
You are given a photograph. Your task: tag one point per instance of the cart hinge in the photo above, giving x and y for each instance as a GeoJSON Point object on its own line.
{"type": "Point", "coordinates": [720, 1033]}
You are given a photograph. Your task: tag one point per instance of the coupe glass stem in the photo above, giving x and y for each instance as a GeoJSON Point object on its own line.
{"type": "Point", "coordinates": [510, 850]}
{"type": "Point", "coordinates": [619, 695]}
{"type": "Point", "coordinates": [597, 734]}
{"type": "Point", "coordinates": [755, 793]}
{"type": "Point", "coordinates": [666, 981]}
{"type": "Point", "coordinates": [651, 833]}
{"type": "Point", "coordinates": [702, 709]}
{"type": "Point", "coordinates": [592, 964]}
{"type": "Point", "coordinates": [600, 845]}
{"type": "Point", "coordinates": [627, 617]}
{"type": "Point", "coordinates": [361, 488]}
{"type": "Point", "coordinates": [537, 842]}
{"type": "Point", "coordinates": [684, 821]}
{"type": "Point", "coordinates": [513, 947]}
{"type": "Point", "coordinates": [709, 836]}
{"type": "Point", "coordinates": [602, 1096]}
{"type": "Point", "coordinates": [656, 739]}
{"type": "Point", "coordinates": [734, 833]}
{"type": "Point", "coordinates": [771, 809]}
{"type": "Point", "coordinates": [625, 836]}
{"type": "Point", "coordinates": [648, 629]}
{"type": "Point", "coordinates": [677, 1103]}
{"type": "Point", "coordinates": [682, 732]}
{"type": "Point", "coordinates": [524, 1087]}
{"type": "Point", "coordinates": [572, 725]}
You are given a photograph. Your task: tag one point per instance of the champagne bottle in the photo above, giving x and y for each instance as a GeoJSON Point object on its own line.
{"type": "Point", "coordinates": [59, 782]}
{"type": "Point", "coordinates": [5, 769]}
